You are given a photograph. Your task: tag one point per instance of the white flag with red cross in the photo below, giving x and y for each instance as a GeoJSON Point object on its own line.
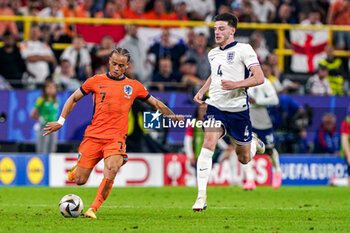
{"type": "Point", "coordinates": [309, 47]}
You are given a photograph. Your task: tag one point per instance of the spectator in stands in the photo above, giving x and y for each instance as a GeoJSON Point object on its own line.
{"type": "Point", "coordinates": [100, 53]}
{"type": "Point", "coordinates": [284, 16]}
{"type": "Point", "coordinates": [12, 66]}
{"type": "Point", "coordinates": [200, 9]}
{"type": "Point", "coordinates": [158, 12]}
{"type": "Point", "coordinates": [38, 56]}
{"type": "Point", "coordinates": [45, 110]}
{"type": "Point", "coordinates": [261, 50]}
{"type": "Point", "coordinates": [79, 57]}
{"type": "Point", "coordinates": [16, 6]}
{"type": "Point", "coordinates": [200, 55]}
{"type": "Point", "coordinates": [166, 48]}
{"type": "Point", "coordinates": [313, 18]}
{"type": "Point", "coordinates": [248, 14]}
{"type": "Point", "coordinates": [137, 50]}
{"type": "Point", "coordinates": [189, 69]}
{"type": "Point", "coordinates": [86, 10]}
{"type": "Point", "coordinates": [136, 10]}
{"type": "Point", "coordinates": [323, 8]}
{"type": "Point", "coordinates": [109, 11]}
{"type": "Point", "coordinates": [64, 76]}
{"type": "Point", "coordinates": [295, 10]}
{"type": "Point", "coordinates": [120, 7]}
{"type": "Point", "coordinates": [191, 37]}
{"type": "Point", "coordinates": [70, 11]}
{"type": "Point", "coordinates": [7, 25]}
{"type": "Point", "coordinates": [54, 10]}
{"type": "Point", "coordinates": [180, 12]}
{"type": "Point", "coordinates": [264, 10]}
{"type": "Point", "coordinates": [31, 9]}
{"type": "Point", "coordinates": [339, 14]}
{"type": "Point", "coordinates": [273, 79]}
{"type": "Point", "coordinates": [166, 76]}
{"type": "Point", "coordinates": [335, 71]}
{"type": "Point", "coordinates": [318, 84]}
{"type": "Point", "coordinates": [327, 139]}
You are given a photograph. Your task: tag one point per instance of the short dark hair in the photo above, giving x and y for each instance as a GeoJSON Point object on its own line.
{"type": "Point", "coordinates": [121, 51]}
{"type": "Point", "coordinates": [231, 19]}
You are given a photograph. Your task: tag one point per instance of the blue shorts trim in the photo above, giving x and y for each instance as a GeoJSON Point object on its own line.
{"type": "Point", "coordinates": [267, 136]}
{"type": "Point", "coordinates": [236, 124]}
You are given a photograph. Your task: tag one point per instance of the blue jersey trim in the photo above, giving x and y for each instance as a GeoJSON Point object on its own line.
{"type": "Point", "coordinates": [230, 45]}
{"type": "Point", "coordinates": [146, 98]}
{"type": "Point", "coordinates": [116, 79]}
{"type": "Point", "coordinates": [82, 90]}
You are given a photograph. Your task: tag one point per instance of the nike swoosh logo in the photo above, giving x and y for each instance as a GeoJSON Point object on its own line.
{"type": "Point", "coordinates": [102, 87]}
{"type": "Point", "coordinates": [212, 59]}
{"type": "Point", "coordinates": [203, 169]}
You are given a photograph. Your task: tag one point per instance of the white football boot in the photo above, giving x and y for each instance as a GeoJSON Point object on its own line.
{"type": "Point", "coordinates": [200, 204]}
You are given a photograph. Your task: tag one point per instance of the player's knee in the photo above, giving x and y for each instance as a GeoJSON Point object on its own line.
{"type": "Point", "coordinates": [112, 170]}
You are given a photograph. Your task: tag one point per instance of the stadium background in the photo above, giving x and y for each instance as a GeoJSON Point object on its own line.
{"type": "Point", "coordinates": [181, 32]}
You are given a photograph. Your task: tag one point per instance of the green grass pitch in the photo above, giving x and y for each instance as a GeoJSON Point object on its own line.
{"type": "Point", "coordinates": [168, 209]}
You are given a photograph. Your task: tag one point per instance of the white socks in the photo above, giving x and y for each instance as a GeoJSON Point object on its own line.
{"type": "Point", "coordinates": [275, 161]}
{"type": "Point", "coordinates": [253, 148]}
{"type": "Point", "coordinates": [204, 164]}
{"type": "Point", "coordinates": [248, 171]}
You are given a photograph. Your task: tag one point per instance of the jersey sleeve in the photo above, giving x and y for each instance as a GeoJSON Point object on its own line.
{"type": "Point", "coordinates": [141, 91]}
{"type": "Point", "coordinates": [344, 128]}
{"type": "Point", "coordinates": [250, 58]}
{"type": "Point", "coordinates": [88, 86]}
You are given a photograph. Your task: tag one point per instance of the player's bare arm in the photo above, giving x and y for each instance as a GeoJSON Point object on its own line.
{"type": "Point", "coordinates": [256, 79]}
{"type": "Point", "coordinates": [160, 106]}
{"type": "Point", "coordinates": [199, 96]}
{"type": "Point", "coordinates": [67, 108]}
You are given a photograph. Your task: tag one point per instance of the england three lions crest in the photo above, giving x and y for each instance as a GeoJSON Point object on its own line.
{"type": "Point", "coordinates": [230, 57]}
{"type": "Point", "coordinates": [127, 91]}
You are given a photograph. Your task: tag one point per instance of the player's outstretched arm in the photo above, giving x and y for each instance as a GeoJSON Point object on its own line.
{"type": "Point", "coordinates": [198, 98]}
{"type": "Point", "coordinates": [256, 79]}
{"type": "Point", "coordinates": [67, 108]}
{"type": "Point", "coordinates": [161, 107]}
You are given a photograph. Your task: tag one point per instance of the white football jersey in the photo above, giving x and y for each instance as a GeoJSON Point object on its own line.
{"type": "Point", "coordinates": [230, 63]}
{"type": "Point", "coordinates": [264, 95]}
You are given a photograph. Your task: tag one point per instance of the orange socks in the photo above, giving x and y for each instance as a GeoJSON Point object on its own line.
{"type": "Point", "coordinates": [102, 193]}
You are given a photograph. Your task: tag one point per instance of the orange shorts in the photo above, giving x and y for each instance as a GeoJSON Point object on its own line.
{"type": "Point", "coordinates": [92, 150]}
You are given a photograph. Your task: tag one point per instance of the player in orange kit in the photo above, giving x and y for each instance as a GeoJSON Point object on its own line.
{"type": "Point", "coordinates": [104, 138]}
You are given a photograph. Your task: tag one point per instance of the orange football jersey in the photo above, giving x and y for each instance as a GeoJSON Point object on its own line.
{"type": "Point", "coordinates": [112, 99]}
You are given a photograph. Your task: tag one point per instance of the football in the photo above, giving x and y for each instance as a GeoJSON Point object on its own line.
{"type": "Point", "coordinates": [71, 206]}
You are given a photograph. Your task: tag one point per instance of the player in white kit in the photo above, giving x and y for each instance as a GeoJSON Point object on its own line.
{"type": "Point", "coordinates": [260, 97]}
{"type": "Point", "coordinates": [228, 100]}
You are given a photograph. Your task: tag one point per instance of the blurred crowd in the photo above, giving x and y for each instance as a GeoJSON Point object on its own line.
{"type": "Point", "coordinates": [166, 64]}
